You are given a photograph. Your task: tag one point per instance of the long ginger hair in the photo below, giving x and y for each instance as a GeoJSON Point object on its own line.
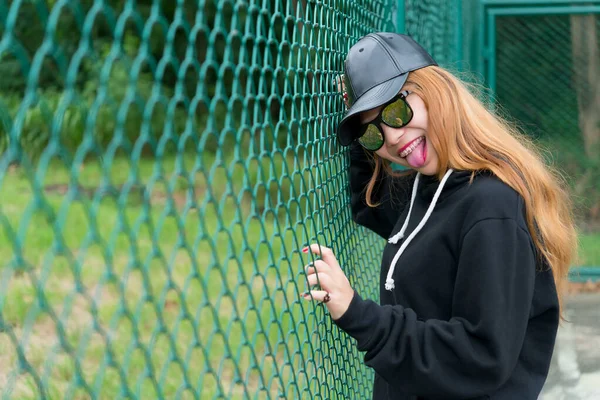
{"type": "Point", "coordinates": [468, 137]}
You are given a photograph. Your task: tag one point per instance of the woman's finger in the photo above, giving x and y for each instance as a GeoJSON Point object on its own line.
{"type": "Point", "coordinates": [317, 265]}
{"type": "Point", "coordinates": [325, 252]}
{"type": "Point", "coordinates": [338, 81]}
{"type": "Point", "coordinates": [319, 295]}
{"type": "Point", "coordinates": [321, 279]}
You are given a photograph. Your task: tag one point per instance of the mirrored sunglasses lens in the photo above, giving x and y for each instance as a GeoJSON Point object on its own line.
{"type": "Point", "coordinates": [397, 114]}
{"type": "Point", "coordinates": [372, 138]}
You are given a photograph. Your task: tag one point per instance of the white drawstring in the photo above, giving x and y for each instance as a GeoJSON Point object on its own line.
{"type": "Point", "coordinates": [389, 282]}
{"type": "Point", "coordinates": [400, 235]}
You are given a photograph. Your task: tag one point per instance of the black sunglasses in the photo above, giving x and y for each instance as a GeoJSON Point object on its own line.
{"type": "Point", "coordinates": [396, 113]}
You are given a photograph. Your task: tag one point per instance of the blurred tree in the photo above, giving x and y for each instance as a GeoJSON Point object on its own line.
{"type": "Point", "coordinates": [586, 60]}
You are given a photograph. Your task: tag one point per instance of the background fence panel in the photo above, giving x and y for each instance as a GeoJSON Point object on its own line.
{"type": "Point", "coordinates": [546, 75]}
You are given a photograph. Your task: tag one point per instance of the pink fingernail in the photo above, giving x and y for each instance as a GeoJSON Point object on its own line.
{"type": "Point", "coordinates": [305, 250]}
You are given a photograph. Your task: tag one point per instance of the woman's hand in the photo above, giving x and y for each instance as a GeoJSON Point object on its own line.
{"type": "Point", "coordinates": [338, 81]}
{"type": "Point", "coordinates": [328, 274]}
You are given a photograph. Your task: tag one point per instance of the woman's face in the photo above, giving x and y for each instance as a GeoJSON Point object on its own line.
{"type": "Point", "coordinates": [407, 146]}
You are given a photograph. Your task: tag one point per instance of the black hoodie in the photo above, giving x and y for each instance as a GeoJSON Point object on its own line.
{"type": "Point", "coordinates": [472, 314]}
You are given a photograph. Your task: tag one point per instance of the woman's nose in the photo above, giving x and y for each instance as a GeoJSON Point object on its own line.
{"type": "Point", "coordinates": [392, 135]}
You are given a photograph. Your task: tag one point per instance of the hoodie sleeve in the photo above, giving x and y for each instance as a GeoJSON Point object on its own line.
{"type": "Point", "coordinates": [474, 352]}
{"type": "Point", "coordinates": [391, 192]}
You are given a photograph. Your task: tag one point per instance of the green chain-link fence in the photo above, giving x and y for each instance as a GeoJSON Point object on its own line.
{"type": "Point", "coordinates": [162, 164]}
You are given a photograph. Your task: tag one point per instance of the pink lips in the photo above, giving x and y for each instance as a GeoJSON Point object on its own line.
{"type": "Point", "coordinates": [406, 146]}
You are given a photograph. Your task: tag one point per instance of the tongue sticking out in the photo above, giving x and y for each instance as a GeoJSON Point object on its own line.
{"type": "Point", "coordinates": [417, 158]}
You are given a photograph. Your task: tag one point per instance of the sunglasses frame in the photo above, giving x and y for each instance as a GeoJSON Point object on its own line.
{"type": "Point", "coordinates": [378, 120]}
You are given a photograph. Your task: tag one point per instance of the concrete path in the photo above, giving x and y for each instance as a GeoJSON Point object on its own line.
{"type": "Point", "coordinates": [575, 370]}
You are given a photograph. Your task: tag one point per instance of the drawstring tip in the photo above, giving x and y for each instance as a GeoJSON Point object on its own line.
{"type": "Point", "coordinates": [389, 284]}
{"type": "Point", "coordinates": [394, 239]}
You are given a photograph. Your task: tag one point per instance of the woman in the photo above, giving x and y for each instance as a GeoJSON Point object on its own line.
{"type": "Point", "coordinates": [480, 235]}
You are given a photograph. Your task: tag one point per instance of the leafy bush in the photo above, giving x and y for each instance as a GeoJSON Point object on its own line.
{"type": "Point", "coordinates": [114, 107]}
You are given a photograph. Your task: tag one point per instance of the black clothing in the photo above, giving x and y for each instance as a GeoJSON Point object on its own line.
{"type": "Point", "coordinates": [474, 313]}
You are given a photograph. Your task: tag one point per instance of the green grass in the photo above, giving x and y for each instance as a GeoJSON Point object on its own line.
{"type": "Point", "coordinates": [147, 294]}
{"type": "Point", "coordinates": [590, 250]}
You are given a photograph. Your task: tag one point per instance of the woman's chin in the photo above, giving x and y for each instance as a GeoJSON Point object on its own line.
{"type": "Point", "coordinates": [427, 169]}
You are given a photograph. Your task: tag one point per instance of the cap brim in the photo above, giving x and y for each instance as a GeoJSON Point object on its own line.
{"type": "Point", "coordinates": [374, 97]}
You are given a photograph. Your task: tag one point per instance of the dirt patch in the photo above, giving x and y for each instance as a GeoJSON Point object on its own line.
{"type": "Point", "coordinates": [135, 195]}
{"type": "Point", "coordinates": [91, 191]}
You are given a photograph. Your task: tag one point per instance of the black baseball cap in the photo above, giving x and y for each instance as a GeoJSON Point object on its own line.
{"type": "Point", "coordinates": [375, 70]}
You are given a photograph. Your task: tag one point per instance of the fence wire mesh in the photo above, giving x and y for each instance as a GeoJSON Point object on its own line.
{"type": "Point", "coordinates": [548, 78]}
{"type": "Point", "coordinates": [436, 26]}
{"type": "Point", "coordinates": [162, 164]}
